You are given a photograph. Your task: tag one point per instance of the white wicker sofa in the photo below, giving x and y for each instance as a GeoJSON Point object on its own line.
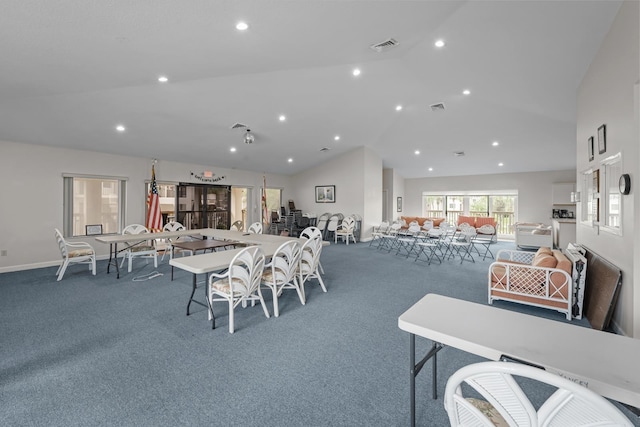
{"type": "Point", "coordinates": [542, 279]}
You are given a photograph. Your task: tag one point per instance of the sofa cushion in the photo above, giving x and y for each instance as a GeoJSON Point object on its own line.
{"type": "Point", "coordinates": [471, 220]}
{"type": "Point", "coordinates": [546, 261]}
{"type": "Point", "coordinates": [544, 250]}
{"type": "Point", "coordinates": [437, 221]}
{"type": "Point", "coordinates": [480, 221]}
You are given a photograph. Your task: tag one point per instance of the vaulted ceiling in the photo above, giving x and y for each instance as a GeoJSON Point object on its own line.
{"type": "Point", "coordinates": [72, 70]}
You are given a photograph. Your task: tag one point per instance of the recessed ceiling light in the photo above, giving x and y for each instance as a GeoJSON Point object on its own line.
{"type": "Point", "coordinates": [282, 117]}
{"type": "Point", "coordinates": [232, 149]}
{"type": "Point", "coordinates": [242, 26]}
{"type": "Point", "coordinates": [417, 152]}
{"type": "Point", "coordinates": [439, 43]}
{"type": "Point", "coordinates": [398, 107]}
{"type": "Point", "coordinates": [290, 160]}
{"type": "Point", "coordinates": [356, 72]}
{"type": "Point", "coordinates": [495, 143]}
{"type": "Point", "coordinates": [466, 92]}
{"type": "Point", "coordinates": [500, 164]}
{"type": "Point", "coordinates": [163, 79]}
{"type": "Point", "coordinates": [121, 128]}
{"type": "Point", "coordinates": [430, 169]}
{"type": "Point", "coordinates": [336, 138]}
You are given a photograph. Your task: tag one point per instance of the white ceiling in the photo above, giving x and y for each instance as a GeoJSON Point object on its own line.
{"type": "Point", "coordinates": [71, 70]}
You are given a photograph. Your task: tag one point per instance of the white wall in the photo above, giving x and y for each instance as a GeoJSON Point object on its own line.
{"type": "Point", "coordinates": [608, 95]}
{"type": "Point", "coordinates": [31, 204]}
{"type": "Point", "coordinates": [357, 175]}
{"type": "Point", "coordinates": [394, 184]}
{"type": "Point", "coordinates": [534, 189]}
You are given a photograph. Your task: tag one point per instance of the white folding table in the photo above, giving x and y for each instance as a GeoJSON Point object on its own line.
{"type": "Point", "coordinates": [603, 362]}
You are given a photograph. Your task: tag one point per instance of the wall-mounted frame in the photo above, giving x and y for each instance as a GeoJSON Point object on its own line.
{"type": "Point", "coordinates": [602, 139]}
{"type": "Point", "coordinates": [590, 148]}
{"type": "Point", "coordinates": [399, 203]}
{"type": "Point", "coordinates": [325, 193]}
{"type": "Point", "coordinates": [93, 229]}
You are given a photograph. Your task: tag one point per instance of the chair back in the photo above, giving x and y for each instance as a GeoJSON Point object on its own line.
{"type": "Point", "coordinates": [333, 222]}
{"type": "Point", "coordinates": [570, 404]}
{"type": "Point", "coordinates": [245, 271]}
{"type": "Point", "coordinates": [427, 225]}
{"type": "Point", "coordinates": [310, 256]}
{"type": "Point", "coordinates": [173, 226]}
{"type": "Point", "coordinates": [311, 232]}
{"type": "Point", "coordinates": [62, 244]}
{"type": "Point", "coordinates": [284, 262]}
{"type": "Point", "coordinates": [348, 224]}
{"type": "Point", "coordinates": [237, 226]}
{"type": "Point", "coordinates": [256, 228]}
{"type": "Point", "coordinates": [135, 229]}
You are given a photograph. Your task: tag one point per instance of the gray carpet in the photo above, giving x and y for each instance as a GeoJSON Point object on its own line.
{"type": "Point", "coordinates": [100, 351]}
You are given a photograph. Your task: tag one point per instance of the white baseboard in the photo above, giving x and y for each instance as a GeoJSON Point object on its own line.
{"type": "Point", "coordinates": [35, 265]}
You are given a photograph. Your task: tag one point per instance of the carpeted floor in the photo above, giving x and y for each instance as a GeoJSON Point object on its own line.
{"type": "Point", "coordinates": [100, 351]}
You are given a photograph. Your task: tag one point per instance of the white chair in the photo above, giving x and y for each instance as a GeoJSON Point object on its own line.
{"type": "Point", "coordinates": [429, 245]}
{"type": "Point", "coordinates": [345, 230]}
{"type": "Point", "coordinates": [407, 239]}
{"type": "Point", "coordinates": [174, 226]}
{"type": "Point", "coordinates": [378, 232]}
{"type": "Point", "coordinates": [144, 248]}
{"type": "Point", "coordinates": [75, 253]}
{"type": "Point", "coordinates": [312, 233]}
{"type": "Point", "coordinates": [239, 284]}
{"type": "Point", "coordinates": [462, 244]}
{"type": "Point", "coordinates": [256, 228]}
{"type": "Point", "coordinates": [388, 240]}
{"type": "Point", "coordinates": [507, 403]}
{"type": "Point", "coordinates": [280, 273]}
{"type": "Point", "coordinates": [237, 226]}
{"type": "Point", "coordinates": [322, 222]}
{"type": "Point", "coordinates": [309, 264]}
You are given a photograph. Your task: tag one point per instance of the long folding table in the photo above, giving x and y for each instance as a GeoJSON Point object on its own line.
{"type": "Point", "coordinates": [604, 362]}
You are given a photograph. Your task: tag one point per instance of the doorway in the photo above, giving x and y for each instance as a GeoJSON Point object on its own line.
{"type": "Point", "coordinates": [203, 206]}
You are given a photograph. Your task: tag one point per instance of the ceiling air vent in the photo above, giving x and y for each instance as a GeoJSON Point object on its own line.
{"type": "Point", "coordinates": [325, 149]}
{"type": "Point", "coordinates": [385, 45]}
{"type": "Point", "coordinates": [238, 126]}
{"type": "Point", "coordinates": [458, 153]}
{"type": "Point", "coordinates": [437, 107]}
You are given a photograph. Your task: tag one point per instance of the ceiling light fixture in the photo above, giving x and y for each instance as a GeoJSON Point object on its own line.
{"type": "Point", "coordinates": [430, 169]}
{"type": "Point", "coordinates": [356, 72]}
{"type": "Point", "coordinates": [398, 107]}
{"type": "Point", "coordinates": [163, 79]}
{"type": "Point", "coordinates": [248, 137]}
{"type": "Point", "coordinates": [500, 164]}
{"type": "Point", "coordinates": [232, 149]}
{"type": "Point", "coordinates": [282, 117]}
{"type": "Point", "coordinates": [242, 26]}
{"type": "Point", "coordinates": [121, 128]}
{"type": "Point", "coordinates": [336, 138]}
{"type": "Point", "coordinates": [466, 92]}
{"type": "Point", "coordinates": [417, 152]}
{"type": "Point", "coordinates": [439, 43]}
{"type": "Point", "coordinates": [290, 160]}
{"type": "Point", "coordinates": [495, 143]}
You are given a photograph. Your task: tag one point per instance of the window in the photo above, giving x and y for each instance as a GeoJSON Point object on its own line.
{"type": "Point", "coordinates": [93, 201]}
{"type": "Point", "coordinates": [167, 195]}
{"type": "Point", "coordinates": [499, 205]}
{"type": "Point", "coordinates": [611, 198]}
{"type": "Point", "coordinates": [589, 208]}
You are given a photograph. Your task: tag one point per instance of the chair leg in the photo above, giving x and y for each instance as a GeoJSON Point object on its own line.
{"type": "Point", "coordinates": [321, 282]}
{"type": "Point", "coordinates": [276, 311]}
{"type": "Point", "coordinates": [93, 265]}
{"type": "Point", "coordinates": [62, 269]}
{"type": "Point", "coordinates": [231, 326]}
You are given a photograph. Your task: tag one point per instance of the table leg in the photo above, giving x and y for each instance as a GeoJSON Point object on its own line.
{"type": "Point", "coordinates": [415, 369]}
{"type": "Point", "coordinates": [113, 256]}
{"type": "Point", "coordinates": [193, 291]}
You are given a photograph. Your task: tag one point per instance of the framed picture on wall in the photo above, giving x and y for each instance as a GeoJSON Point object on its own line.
{"type": "Point", "coordinates": [325, 193]}
{"type": "Point", "coordinates": [590, 148]}
{"type": "Point", "coordinates": [399, 202]}
{"type": "Point", "coordinates": [602, 139]}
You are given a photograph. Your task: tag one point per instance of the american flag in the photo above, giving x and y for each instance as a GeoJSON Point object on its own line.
{"type": "Point", "coordinates": [154, 216]}
{"type": "Point", "coordinates": [265, 212]}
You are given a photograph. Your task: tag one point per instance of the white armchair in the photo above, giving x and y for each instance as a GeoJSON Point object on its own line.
{"type": "Point", "coordinates": [74, 253]}
{"type": "Point", "coordinates": [144, 248]}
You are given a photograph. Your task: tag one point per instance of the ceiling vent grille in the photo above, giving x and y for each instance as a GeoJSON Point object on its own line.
{"type": "Point", "coordinates": [325, 149]}
{"type": "Point", "coordinates": [238, 126]}
{"type": "Point", "coordinates": [458, 153]}
{"type": "Point", "coordinates": [437, 107]}
{"type": "Point", "coordinates": [385, 45]}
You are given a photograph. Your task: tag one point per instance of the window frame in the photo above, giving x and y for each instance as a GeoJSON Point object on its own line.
{"type": "Point", "coordinates": [68, 197]}
{"type": "Point", "coordinates": [610, 170]}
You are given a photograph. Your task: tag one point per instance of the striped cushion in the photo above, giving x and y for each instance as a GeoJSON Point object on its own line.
{"type": "Point", "coordinates": [80, 252]}
{"type": "Point", "coordinates": [489, 411]}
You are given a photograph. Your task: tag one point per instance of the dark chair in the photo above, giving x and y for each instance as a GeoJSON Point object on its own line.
{"type": "Point", "coordinates": [300, 224]}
